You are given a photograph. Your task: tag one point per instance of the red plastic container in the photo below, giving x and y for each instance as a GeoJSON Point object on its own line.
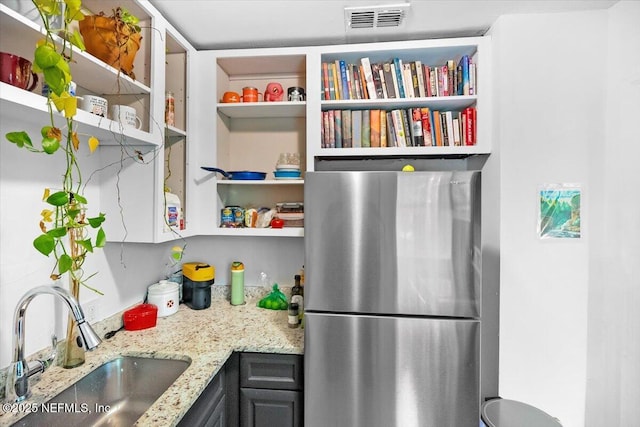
{"type": "Point", "coordinates": [142, 316]}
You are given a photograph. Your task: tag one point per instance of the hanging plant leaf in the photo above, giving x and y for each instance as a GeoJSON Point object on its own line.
{"type": "Point", "coordinates": [55, 79]}
{"type": "Point", "coordinates": [75, 142]}
{"type": "Point", "coordinates": [76, 38]}
{"type": "Point", "coordinates": [72, 10]}
{"type": "Point", "coordinates": [65, 102]}
{"type": "Point", "coordinates": [96, 221]}
{"type": "Point", "coordinates": [101, 238]}
{"type": "Point", "coordinates": [49, 7]}
{"type": "Point", "coordinates": [64, 264]}
{"type": "Point", "coordinates": [59, 198]}
{"type": "Point", "coordinates": [21, 139]}
{"type": "Point", "coordinates": [44, 244]}
{"type": "Point", "coordinates": [86, 244]}
{"type": "Point", "coordinates": [46, 56]}
{"type": "Point", "coordinates": [57, 232]}
{"type": "Point", "coordinates": [47, 215]}
{"type": "Point", "coordinates": [73, 213]}
{"type": "Point", "coordinates": [80, 198]}
{"type": "Point", "coordinates": [93, 143]}
{"type": "Point", "coordinates": [51, 132]}
{"type": "Point", "coordinates": [50, 145]}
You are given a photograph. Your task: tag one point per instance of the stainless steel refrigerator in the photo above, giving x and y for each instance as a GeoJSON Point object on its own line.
{"type": "Point", "coordinates": [392, 299]}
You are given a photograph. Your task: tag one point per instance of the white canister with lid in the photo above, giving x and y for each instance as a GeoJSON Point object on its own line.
{"type": "Point", "coordinates": [164, 295]}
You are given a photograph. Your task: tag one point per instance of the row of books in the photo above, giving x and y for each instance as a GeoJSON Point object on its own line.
{"type": "Point", "coordinates": [397, 79]}
{"type": "Point", "coordinates": [411, 127]}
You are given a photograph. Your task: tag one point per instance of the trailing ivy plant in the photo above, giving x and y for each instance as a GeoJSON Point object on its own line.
{"type": "Point", "coordinates": [65, 227]}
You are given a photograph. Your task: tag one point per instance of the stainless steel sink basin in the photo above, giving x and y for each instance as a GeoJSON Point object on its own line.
{"type": "Point", "coordinates": [115, 394]}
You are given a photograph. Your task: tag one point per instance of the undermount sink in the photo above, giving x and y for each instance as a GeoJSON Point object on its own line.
{"type": "Point", "coordinates": [116, 393]}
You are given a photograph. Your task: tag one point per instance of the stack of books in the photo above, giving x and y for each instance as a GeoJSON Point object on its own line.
{"type": "Point", "coordinates": [397, 79]}
{"type": "Point", "coordinates": [411, 127]}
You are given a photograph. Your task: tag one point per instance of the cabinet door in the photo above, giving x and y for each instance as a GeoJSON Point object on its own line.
{"type": "Point", "coordinates": [269, 408]}
{"type": "Point", "coordinates": [210, 408]}
{"type": "Point", "coordinates": [271, 371]}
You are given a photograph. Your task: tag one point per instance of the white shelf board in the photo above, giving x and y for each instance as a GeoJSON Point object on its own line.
{"type": "Point", "coordinates": [261, 232]}
{"type": "Point", "coordinates": [247, 110]}
{"type": "Point", "coordinates": [92, 73]}
{"type": "Point", "coordinates": [400, 151]}
{"type": "Point", "coordinates": [434, 103]}
{"type": "Point", "coordinates": [19, 104]}
{"type": "Point", "coordinates": [261, 182]}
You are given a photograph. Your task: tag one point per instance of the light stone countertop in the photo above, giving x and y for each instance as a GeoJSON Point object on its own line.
{"type": "Point", "coordinates": [206, 337]}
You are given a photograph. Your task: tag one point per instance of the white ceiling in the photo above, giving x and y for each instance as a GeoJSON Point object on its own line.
{"type": "Point", "coordinates": [226, 24]}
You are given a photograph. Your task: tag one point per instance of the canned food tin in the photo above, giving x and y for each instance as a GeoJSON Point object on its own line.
{"type": "Point", "coordinates": [226, 216]}
{"type": "Point", "coordinates": [238, 215]}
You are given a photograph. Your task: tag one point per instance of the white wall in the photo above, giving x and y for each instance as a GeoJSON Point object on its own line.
{"type": "Point", "coordinates": [550, 104]}
{"type": "Point", "coordinates": [125, 270]}
{"type": "Point", "coordinates": [613, 356]}
{"type": "Point", "coordinates": [567, 91]}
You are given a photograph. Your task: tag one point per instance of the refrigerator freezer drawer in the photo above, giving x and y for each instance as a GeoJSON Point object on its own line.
{"type": "Point", "coordinates": [366, 371]}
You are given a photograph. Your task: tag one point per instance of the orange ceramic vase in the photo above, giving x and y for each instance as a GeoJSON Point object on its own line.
{"type": "Point", "coordinates": [111, 42]}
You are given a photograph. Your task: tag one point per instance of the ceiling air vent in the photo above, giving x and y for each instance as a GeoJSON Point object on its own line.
{"type": "Point", "coordinates": [387, 16]}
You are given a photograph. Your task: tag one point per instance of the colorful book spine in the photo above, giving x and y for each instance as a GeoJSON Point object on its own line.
{"type": "Point", "coordinates": [363, 83]}
{"type": "Point", "coordinates": [332, 130]}
{"type": "Point", "coordinates": [397, 63]}
{"type": "Point", "coordinates": [451, 67]}
{"type": "Point", "coordinates": [344, 84]}
{"type": "Point", "coordinates": [470, 126]}
{"type": "Point", "coordinates": [337, 118]}
{"type": "Point", "coordinates": [332, 86]}
{"type": "Point", "coordinates": [444, 129]}
{"type": "Point", "coordinates": [356, 128]}
{"type": "Point", "coordinates": [464, 66]}
{"type": "Point", "coordinates": [325, 81]}
{"type": "Point", "coordinates": [377, 82]}
{"type": "Point", "coordinates": [391, 134]}
{"type": "Point", "coordinates": [420, 73]}
{"type": "Point", "coordinates": [407, 80]}
{"type": "Point", "coordinates": [414, 79]}
{"type": "Point", "coordinates": [368, 77]}
{"type": "Point", "coordinates": [374, 123]}
{"type": "Point", "coordinates": [389, 80]}
{"type": "Point", "coordinates": [383, 128]}
{"type": "Point", "coordinates": [337, 79]}
{"type": "Point", "coordinates": [357, 90]}
{"type": "Point", "coordinates": [383, 81]}
{"type": "Point", "coordinates": [398, 128]}
{"type": "Point", "coordinates": [473, 89]}
{"type": "Point", "coordinates": [449, 123]}
{"type": "Point", "coordinates": [437, 128]}
{"type": "Point", "coordinates": [416, 126]}
{"type": "Point", "coordinates": [425, 116]}
{"type": "Point", "coordinates": [325, 130]}
{"type": "Point", "coordinates": [346, 129]}
{"type": "Point", "coordinates": [406, 123]}
{"type": "Point", "coordinates": [366, 128]}
{"type": "Point", "coordinates": [456, 131]}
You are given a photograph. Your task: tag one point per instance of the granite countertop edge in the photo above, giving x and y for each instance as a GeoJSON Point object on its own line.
{"type": "Point", "coordinates": [205, 337]}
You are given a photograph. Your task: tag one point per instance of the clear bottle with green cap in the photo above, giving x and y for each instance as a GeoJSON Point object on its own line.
{"type": "Point", "coordinates": [237, 283]}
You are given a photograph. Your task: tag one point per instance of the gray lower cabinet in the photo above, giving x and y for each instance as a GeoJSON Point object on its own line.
{"type": "Point", "coordinates": [252, 390]}
{"type": "Point", "coordinates": [271, 390]}
{"type": "Point", "coordinates": [270, 408]}
{"type": "Point", "coordinates": [217, 406]}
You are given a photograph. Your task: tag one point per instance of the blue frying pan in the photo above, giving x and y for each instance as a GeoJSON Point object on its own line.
{"type": "Point", "coordinates": [238, 175]}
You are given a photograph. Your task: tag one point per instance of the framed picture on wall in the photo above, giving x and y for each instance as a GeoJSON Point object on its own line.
{"type": "Point", "coordinates": [559, 212]}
